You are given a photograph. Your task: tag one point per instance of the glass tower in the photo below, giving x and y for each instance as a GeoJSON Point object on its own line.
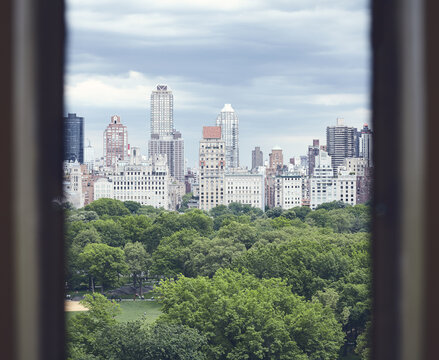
{"type": "Point", "coordinates": [228, 120]}
{"type": "Point", "coordinates": [74, 138]}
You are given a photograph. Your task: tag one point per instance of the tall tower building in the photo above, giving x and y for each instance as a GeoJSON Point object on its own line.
{"type": "Point", "coordinates": [365, 144]}
{"type": "Point", "coordinates": [257, 157]}
{"type": "Point", "coordinates": [89, 156]}
{"type": "Point", "coordinates": [276, 158]}
{"type": "Point", "coordinates": [313, 151]}
{"type": "Point", "coordinates": [228, 120]}
{"type": "Point", "coordinates": [340, 142]}
{"type": "Point", "coordinates": [74, 138]}
{"type": "Point", "coordinates": [115, 142]}
{"type": "Point", "coordinates": [165, 140]}
{"type": "Point", "coordinates": [162, 111]}
{"type": "Point", "coordinates": [212, 158]}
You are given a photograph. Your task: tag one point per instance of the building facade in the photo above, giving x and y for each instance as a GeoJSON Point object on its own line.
{"type": "Point", "coordinates": [365, 144]}
{"type": "Point", "coordinates": [229, 123]}
{"type": "Point", "coordinates": [323, 184]}
{"type": "Point", "coordinates": [212, 162]}
{"type": "Point", "coordinates": [257, 158]}
{"type": "Point", "coordinates": [340, 142]}
{"type": "Point", "coordinates": [165, 140]}
{"type": "Point", "coordinates": [146, 183]}
{"type": "Point", "coordinates": [72, 184]}
{"type": "Point", "coordinates": [162, 111]}
{"type": "Point", "coordinates": [115, 142]}
{"type": "Point", "coordinates": [244, 187]}
{"type": "Point", "coordinates": [73, 138]}
{"type": "Point", "coordinates": [289, 190]}
{"type": "Point", "coordinates": [89, 156]}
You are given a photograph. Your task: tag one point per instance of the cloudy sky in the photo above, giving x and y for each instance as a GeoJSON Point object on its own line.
{"type": "Point", "coordinates": [288, 67]}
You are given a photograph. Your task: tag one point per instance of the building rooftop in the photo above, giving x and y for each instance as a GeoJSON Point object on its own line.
{"type": "Point", "coordinates": [212, 132]}
{"type": "Point", "coordinates": [227, 108]}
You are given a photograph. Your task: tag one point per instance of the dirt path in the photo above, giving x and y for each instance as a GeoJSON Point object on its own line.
{"type": "Point", "coordinates": [74, 306]}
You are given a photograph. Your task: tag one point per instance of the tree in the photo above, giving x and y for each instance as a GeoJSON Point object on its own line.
{"type": "Point", "coordinates": [184, 201]}
{"type": "Point", "coordinates": [206, 256]}
{"type": "Point", "coordinates": [103, 263]}
{"type": "Point", "coordinates": [196, 219]}
{"type": "Point", "coordinates": [111, 232]}
{"type": "Point", "coordinates": [332, 205]}
{"type": "Point", "coordinates": [132, 206]}
{"type": "Point", "coordinates": [274, 213]}
{"type": "Point", "coordinates": [134, 340]}
{"type": "Point", "coordinates": [83, 215]}
{"type": "Point", "coordinates": [83, 328]}
{"type": "Point", "coordinates": [138, 261]}
{"type": "Point", "coordinates": [243, 233]}
{"type": "Point", "coordinates": [108, 207]}
{"type": "Point", "coordinates": [301, 211]}
{"type": "Point", "coordinates": [170, 257]}
{"type": "Point", "coordinates": [244, 317]}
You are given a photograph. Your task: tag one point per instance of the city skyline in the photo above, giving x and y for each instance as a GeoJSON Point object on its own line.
{"type": "Point", "coordinates": [272, 73]}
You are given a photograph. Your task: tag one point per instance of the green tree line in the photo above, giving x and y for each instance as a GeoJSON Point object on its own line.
{"type": "Point", "coordinates": [249, 285]}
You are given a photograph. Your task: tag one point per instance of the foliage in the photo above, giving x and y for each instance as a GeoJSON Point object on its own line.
{"type": "Point", "coordinates": [206, 256]}
{"type": "Point", "coordinates": [132, 206]}
{"type": "Point", "coordinates": [243, 317]}
{"type": "Point", "coordinates": [108, 207]}
{"type": "Point", "coordinates": [104, 263]}
{"type": "Point", "coordinates": [83, 328]}
{"type": "Point", "coordinates": [138, 261]}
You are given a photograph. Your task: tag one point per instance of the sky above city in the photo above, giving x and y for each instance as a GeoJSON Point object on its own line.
{"type": "Point", "coordinates": [288, 67]}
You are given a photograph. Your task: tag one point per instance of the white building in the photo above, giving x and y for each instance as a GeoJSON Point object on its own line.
{"type": "Point", "coordinates": [228, 120]}
{"type": "Point", "coordinates": [177, 189]}
{"type": "Point", "coordinates": [354, 166]}
{"type": "Point", "coordinates": [347, 188]}
{"type": "Point", "coordinates": [73, 184]}
{"type": "Point", "coordinates": [212, 158]}
{"type": "Point", "coordinates": [289, 190]}
{"type": "Point", "coordinates": [103, 188]}
{"type": "Point", "coordinates": [146, 183]}
{"type": "Point", "coordinates": [323, 186]}
{"type": "Point", "coordinates": [244, 187]}
{"type": "Point", "coordinates": [89, 156]}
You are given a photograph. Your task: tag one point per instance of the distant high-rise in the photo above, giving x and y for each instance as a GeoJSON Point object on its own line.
{"type": "Point", "coordinates": [276, 158]}
{"type": "Point", "coordinates": [115, 142]}
{"type": "Point", "coordinates": [313, 151]}
{"type": "Point", "coordinates": [212, 167]}
{"type": "Point", "coordinates": [165, 140]}
{"type": "Point", "coordinates": [74, 138]}
{"type": "Point", "coordinates": [162, 111]}
{"type": "Point", "coordinates": [257, 158]}
{"type": "Point", "coordinates": [89, 156]}
{"type": "Point", "coordinates": [228, 120]}
{"type": "Point", "coordinates": [340, 142]}
{"type": "Point", "coordinates": [365, 144]}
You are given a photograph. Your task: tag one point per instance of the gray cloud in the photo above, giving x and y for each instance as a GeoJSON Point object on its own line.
{"type": "Point", "coordinates": [289, 68]}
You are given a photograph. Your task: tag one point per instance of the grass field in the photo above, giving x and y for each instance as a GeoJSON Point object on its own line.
{"type": "Point", "coordinates": [132, 310]}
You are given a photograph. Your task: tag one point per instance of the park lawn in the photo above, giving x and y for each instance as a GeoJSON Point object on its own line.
{"type": "Point", "coordinates": [131, 310]}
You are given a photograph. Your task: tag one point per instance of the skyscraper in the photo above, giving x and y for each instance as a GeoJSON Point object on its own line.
{"type": "Point", "coordinates": [365, 144]}
{"type": "Point", "coordinates": [89, 156]}
{"type": "Point", "coordinates": [340, 141]}
{"type": "Point", "coordinates": [212, 167]}
{"type": "Point", "coordinates": [165, 140]}
{"type": "Point", "coordinates": [162, 111]}
{"type": "Point", "coordinates": [228, 120]}
{"type": "Point", "coordinates": [313, 151]}
{"type": "Point", "coordinates": [115, 142]}
{"type": "Point", "coordinates": [74, 138]}
{"type": "Point", "coordinates": [257, 158]}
